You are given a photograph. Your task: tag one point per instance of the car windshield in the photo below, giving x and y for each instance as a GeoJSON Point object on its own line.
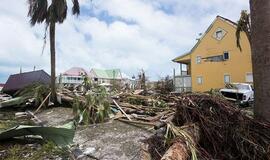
{"type": "Point", "coordinates": [242, 86]}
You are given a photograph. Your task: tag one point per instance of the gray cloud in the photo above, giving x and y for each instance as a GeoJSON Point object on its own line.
{"type": "Point", "coordinates": [140, 34]}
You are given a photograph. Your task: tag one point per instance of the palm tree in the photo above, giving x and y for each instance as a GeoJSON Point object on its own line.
{"type": "Point", "coordinates": [260, 45]}
{"type": "Point", "coordinates": [243, 25]}
{"type": "Point", "coordinates": [50, 14]}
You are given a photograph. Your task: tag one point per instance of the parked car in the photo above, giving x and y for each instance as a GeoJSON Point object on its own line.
{"type": "Point", "coordinates": [239, 92]}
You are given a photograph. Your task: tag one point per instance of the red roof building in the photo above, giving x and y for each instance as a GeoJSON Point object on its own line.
{"type": "Point", "coordinates": [75, 71]}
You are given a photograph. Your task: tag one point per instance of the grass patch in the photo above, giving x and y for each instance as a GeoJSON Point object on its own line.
{"type": "Point", "coordinates": [47, 150]}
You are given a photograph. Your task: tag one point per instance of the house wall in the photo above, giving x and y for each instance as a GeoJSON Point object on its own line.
{"type": "Point", "coordinates": [110, 81]}
{"type": "Point", "coordinates": [212, 73]}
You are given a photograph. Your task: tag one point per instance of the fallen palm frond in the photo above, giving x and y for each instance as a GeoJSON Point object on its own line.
{"type": "Point", "coordinates": [35, 92]}
{"type": "Point", "coordinates": [62, 135]}
{"type": "Point", "coordinates": [18, 101]}
{"type": "Point", "coordinates": [243, 25]}
{"type": "Point", "coordinates": [94, 109]}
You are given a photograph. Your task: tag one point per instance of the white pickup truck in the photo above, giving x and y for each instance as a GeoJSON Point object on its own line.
{"type": "Point", "coordinates": [239, 92]}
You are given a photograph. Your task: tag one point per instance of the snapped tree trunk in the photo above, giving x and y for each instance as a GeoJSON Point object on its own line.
{"type": "Point", "coordinates": [260, 44]}
{"type": "Point", "coordinates": [52, 49]}
{"type": "Point", "coordinates": [179, 150]}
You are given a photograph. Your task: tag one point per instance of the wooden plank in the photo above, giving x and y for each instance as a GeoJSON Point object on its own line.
{"type": "Point", "coordinates": [42, 103]}
{"type": "Point", "coordinates": [121, 109]}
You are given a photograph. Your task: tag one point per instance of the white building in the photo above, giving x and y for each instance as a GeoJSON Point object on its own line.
{"type": "Point", "coordinates": [73, 76]}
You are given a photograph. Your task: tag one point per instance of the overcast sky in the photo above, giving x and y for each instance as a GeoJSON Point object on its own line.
{"type": "Point", "coordinates": [125, 34]}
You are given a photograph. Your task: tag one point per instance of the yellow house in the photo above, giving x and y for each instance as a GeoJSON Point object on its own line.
{"type": "Point", "coordinates": [215, 59]}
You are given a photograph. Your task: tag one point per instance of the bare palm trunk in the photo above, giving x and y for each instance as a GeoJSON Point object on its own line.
{"type": "Point", "coordinates": [260, 44]}
{"type": "Point", "coordinates": [52, 48]}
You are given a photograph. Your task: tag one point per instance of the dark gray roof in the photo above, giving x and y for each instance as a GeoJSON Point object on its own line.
{"type": "Point", "coordinates": [18, 81]}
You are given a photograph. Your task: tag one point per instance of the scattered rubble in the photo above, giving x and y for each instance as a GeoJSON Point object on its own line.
{"type": "Point", "coordinates": [137, 125]}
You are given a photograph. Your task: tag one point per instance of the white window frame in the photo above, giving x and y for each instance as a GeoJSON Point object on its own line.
{"type": "Point", "coordinates": [198, 59]}
{"type": "Point", "coordinates": [222, 31]}
{"type": "Point", "coordinates": [224, 78]}
{"type": "Point", "coordinates": [199, 80]}
{"type": "Point", "coordinates": [249, 81]}
{"type": "Point", "coordinates": [219, 34]}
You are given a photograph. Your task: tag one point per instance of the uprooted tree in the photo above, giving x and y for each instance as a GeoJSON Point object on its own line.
{"type": "Point", "coordinates": [50, 14]}
{"type": "Point", "coordinates": [210, 127]}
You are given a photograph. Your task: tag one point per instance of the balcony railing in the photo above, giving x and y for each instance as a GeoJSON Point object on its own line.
{"type": "Point", "coordinates": [182, 83]}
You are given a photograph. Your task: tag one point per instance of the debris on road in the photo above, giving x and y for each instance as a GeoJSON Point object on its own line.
{"type": "Point", "coordinates": [186, 126]}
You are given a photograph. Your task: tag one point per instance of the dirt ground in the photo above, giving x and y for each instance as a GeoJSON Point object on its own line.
{"type": "Point", "coordinates": [55, 116]}
{"type": "Point", "coordinates": [112, 140]}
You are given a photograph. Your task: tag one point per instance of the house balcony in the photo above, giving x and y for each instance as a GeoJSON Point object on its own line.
{"type": "Point", "coordinates": [71, 79]}
{"type": "Point", "coordinates": [182, 80]}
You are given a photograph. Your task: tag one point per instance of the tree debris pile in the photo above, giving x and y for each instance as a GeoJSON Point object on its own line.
{"type": "Point", "coordinates": [156, 146]}
{"type": "Point", "coordinates": [224, 131]}
{"type": "Point", "coordinates": [204, 126]}
{"type": "Point", "coordinates": [148, 110]}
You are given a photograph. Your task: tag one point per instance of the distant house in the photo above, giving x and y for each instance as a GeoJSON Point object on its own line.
{"type": "Point", "coordinates": [73, 76]}
{"type": "Point", "coordinates": [16, 82]}
{"type": "Point", "coordinates": [105, 75]}
{"type": "Point", "coordinates": [215, 60]}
